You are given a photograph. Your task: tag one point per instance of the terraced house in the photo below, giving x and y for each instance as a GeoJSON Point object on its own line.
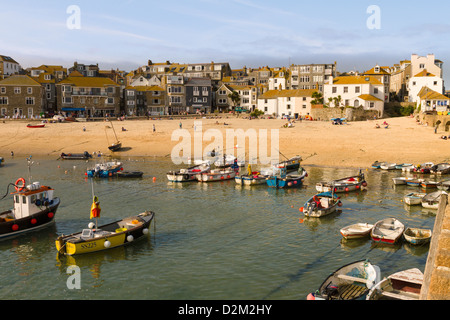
{"type": "Point", "coordinates": [8, 66]}
{"type": "Point", "coordinates": [21, 97]}
{"type": "Point", "coordinates": [88, 96]}
{"type": "Point", "coordinates": [145, 100]}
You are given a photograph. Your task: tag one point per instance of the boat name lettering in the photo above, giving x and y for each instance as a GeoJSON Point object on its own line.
{"type": "Point", "coordinates": [89, 245]}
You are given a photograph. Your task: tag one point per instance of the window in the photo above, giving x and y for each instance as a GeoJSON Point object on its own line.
{"type": "Point", "coordinates": [222, 92]}
{"type": "Point", "coordinates": [66, 88]}
{"type": "Point", "coordinates": [29, 90]}
{"type": "Point", "coordinates": [49, 95]}
{"type": "Point", "coordinates": [3, 100]}
{"type": "Point", "coordinates": [48, 87]}
{"type": "Point", "coordinates": [2, 90]}
{"type": "Point", "coordinates": [17, 90]}
{"type": "Point", "coordinates": [47, 77]}
{"type": "Point", "coordinates": [29, 100]}
{"type": "Point", "coordinates": [422, 66]}
{"type": "Point", "coordinates": [3, 111]}
{"type": "Point", "coordinates": [30, 112]}
{"type": "Point", "coordinates": [110, 101]}
{"type": "Point", "coordinates": [130, 93]}
{"type": "Point", "coordinates": [435, 83]}
{"type": "Point", "coordinates": [67, 100]}
{"type": "Point", "coordinates": [345, 89]}
{"type": "Point", "coordinates": [175, 99]}
{"type": "Point", "coordinates": [357, 89]}
{"type": "Point", "coordinates": [334, 89]}
{"type": "Point", "coordinates": [375, 90]}
{"type": "Point", "coordinates": [372, 104]}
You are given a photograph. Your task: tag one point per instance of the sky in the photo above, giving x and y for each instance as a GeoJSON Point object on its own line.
{"type": "Point", "coordinates": [126, 34]}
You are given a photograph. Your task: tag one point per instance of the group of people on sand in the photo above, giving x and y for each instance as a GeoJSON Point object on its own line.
{"type": "Point", "coordinates": [385, 124]}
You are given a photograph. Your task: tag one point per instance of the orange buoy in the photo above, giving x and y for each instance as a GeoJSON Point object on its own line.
{"type": "Point", "coordinates": [154, 179]}
{"type": "Point", "coordinates": [301, 209]}
{"type": "Point", "coordinates": [300, 220]}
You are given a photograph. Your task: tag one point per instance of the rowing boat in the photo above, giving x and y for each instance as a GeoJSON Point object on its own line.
{"type": "Point", "coordinates": [413, 198]}
{"type": "Point", "coordinates": [403, 285]}
{"type": "Point", "coordinates": [357, 230]}
{"type": "Point", "coordinates": [357, 182]}
{"type": "Point", "coordinates": [417, 236]}
{"type": "Point", "coordinates": [388, 231]}
{"type": "Point", "coordinates": [431, 200]}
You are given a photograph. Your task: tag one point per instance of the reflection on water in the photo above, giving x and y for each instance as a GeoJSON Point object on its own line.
{"type": "Point", "coordinates": [214, 240]}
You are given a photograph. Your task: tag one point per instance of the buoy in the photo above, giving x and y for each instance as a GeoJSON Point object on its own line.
{"type": "Point", "coordinates": [301, 209]}
{"type": "Point", "coordinates": [154, 179]}
{"type": "Point", "coordinates": [300, 220]}
{"type": "Point", "coordinates": [311, 297]}
{"type": "Point", "coordinates": [292, 206]}
{"type": "Point", "coordinates": [357, 187]}
{"type": "Point", "coordinates": [340, 204]}
{"type": "Point", "coordinates": [91, 225]}
{"type": "Point", "coordinates": [15, 227]}
{"type": "Point", "coordinates": [33, 221]}
{"type": "Point", "coordinates": [289, 184]}
{"type": "Point", "coordinates": [346, 189]}
{"type": "Point", "coordinates": [107, 244]}
{"type": "Point", "coordinates": [295, 182]}
{"type": "Point", "coordinates": [130, 238]}
{"type": "Point", "coordinates": [145, 231]}
{"type": "Point", "coordinates": [50, 215]}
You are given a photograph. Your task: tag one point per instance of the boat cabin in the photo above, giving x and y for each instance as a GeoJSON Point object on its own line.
{"type": "Point", "coordinates": [31, 199]}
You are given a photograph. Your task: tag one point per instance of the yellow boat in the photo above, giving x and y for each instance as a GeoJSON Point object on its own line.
{"type": "Point", "coordinates": [108, 236]}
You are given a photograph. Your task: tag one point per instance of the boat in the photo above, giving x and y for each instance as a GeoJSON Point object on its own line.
{"type": "Point", "coordinates": [291, 164]}
{"type": "Point", "coordinates": [228, 160]}
{"type": "Point", "coordinates": [321, 204]}
{"type": "Point", "coordinates": [440, 168]}
{"type": "Point", "coordinates": [427, 184]}
{"type": "Point", "coordinates": [431, 200]}
{"type": "Point", "coordinates": [350, 282]}
{"type": "Point", "coordinates": [388, 231]}
{"type": "Point", "coordinates": [423, 168]}
{"type": "Point", "coordinates": [414, 182]}
{"type": "Point", "coordinates": [387, 166]}
{"type": "Point", "coordinates": [116, 145]}
{"type": "Point", "coordinates": [403, 285]}
{"type": "Point", "coordinates": [216, 175]}
{"type": "Point", "coordinates": [34, 208]}
{"type": "Point", "coordinates": [105, 170]}
{"type": "Point", "coordinates": [444, 185]}
{"type": "Point", "coordinates": [251, 180]}
{"type": "Point", "coordinates": [76, 156]}
{"type": "Point", "coordinates": [352, 183]}
{"type": "Point", "coordinates": [400, 166]}
{"type": "Point", "coordinates": [401, 180]}
{"type": "Point", "coordinates": [112, 235]}
{"type": "Point", "coordinates": [357, 230]}
{"type": "Point", "coordinates": [1, 161]}
{"type": "Point", "coordinates": [129, 174]}
{"type": "Point", "coordinates": [377, 164]}
{"type": "Point", "coordinates": [284, 180]}
{"type": "Point", "coordinates": [36, 125]}
{"type": "Point", "coordinates": [413, 198]}
{"type": "Point", "coordinates": [189, 174]}
{"type": "Point", "coordinates": [409, 168]}
{"type": "Point", "coordinates": [417, 236]}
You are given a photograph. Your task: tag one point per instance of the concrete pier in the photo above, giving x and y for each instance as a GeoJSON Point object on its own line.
{"type": "Point", "coordinates": [436, 283]}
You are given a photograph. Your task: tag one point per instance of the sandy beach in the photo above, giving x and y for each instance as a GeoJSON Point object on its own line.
{"type": "Point", "coordinates": [356, 144]}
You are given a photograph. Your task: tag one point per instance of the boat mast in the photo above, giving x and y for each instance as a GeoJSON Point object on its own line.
{"type": "Point", "coordinates": [29, 164]}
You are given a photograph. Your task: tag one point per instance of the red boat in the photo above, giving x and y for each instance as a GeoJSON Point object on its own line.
{"type": "Point", "coordinates": [36, 125]}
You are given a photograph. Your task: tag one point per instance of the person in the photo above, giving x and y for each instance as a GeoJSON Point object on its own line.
{"type": "Point", "coordinates": [84, 128]}
{"type": "Point", "coordinates": [317, 202]}
{"type": "Point", "coordinates": [154, 128]}
{"type": "Point", "coordinates": [181, 125]}
{"type": "Point", "coordinates": [123, 129]}
{"type": "Point", "coordinates": [377, 126]}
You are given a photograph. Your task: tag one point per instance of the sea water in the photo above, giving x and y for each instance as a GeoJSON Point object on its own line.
{"type": "Point", "coordinates": [213, 240]}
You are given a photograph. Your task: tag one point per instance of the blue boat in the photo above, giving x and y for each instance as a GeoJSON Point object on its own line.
{"type": "Point", "coordinates": [286, 181]}
{"type": "Point", "coordinates": [105, 170]}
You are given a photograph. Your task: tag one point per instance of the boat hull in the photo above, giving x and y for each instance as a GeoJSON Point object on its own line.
{"type": "Point", "coordinates": [216, 176]}
{"type": "Point", "coordinates": [417, 236]}
{"type": "Point", "coordinates": [413, 199]}
{"type": "Point", "coordinates": [328, 204]}
{"type": "Point", "coordinates": [74, 245]}
{"type": "Point", "coordinates": [387, 231]}
{"type": "Point", "coordinates": [356, 231]}
{"type": "Point", "coordinates": [42, 219]}
{"type": "Point", "coordinates": [250, 180]}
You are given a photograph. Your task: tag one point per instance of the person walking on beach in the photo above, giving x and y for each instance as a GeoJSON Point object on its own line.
{"type": "Point", "coordinates": [154, 129]}
{"type": "Point", "coordinates": [181, 125]}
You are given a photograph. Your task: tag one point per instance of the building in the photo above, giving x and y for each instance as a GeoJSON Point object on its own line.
{"type": "Point", "coordinates": [88, 96]}
{"type": "Point", "coordinates": [145, 100]}
{"type": "Point", "coordinates": [91, 70]}
{"type": "Point", "coordinates": [383, 76]}
{"type": "Point", "coordinates": [421, 80]}
{"type": "Point", "coordinates": [8, 66]}
{"type": "Point", "coordinates": [293, 103]}
{"type": "Point", "coordinates": [430, 100]}
{"type": "Point", "coordinates": [21, 97]}
{"type": "Point", "coordinates": [311, 76]}
{"type": "Point", "coordinates": [355, 91]}
{"type": "Point", "coordinates": [199, 97]}
{"type": "Point", "coordinates": [400, 75]}
{"type": "Point", "coordinates": [48, 76]}
{"type": "Point", "coordinates": [176, 94]}
{"type": "Point", "coordinates": [428, 62]}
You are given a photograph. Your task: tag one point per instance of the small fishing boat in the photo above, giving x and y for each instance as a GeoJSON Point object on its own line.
{"type": "Point", "coordinates": [356, 231]}
{"type": "Point", "coordinates": [76, 156]}
{"type": "Point", "coordinates": [291, 164]}
{"type": "Point", "coordinates": [403, 285]}
{"type": "Point", "coordinates": [444, 185]}
{"type": "Point", "coordinates": [352, 183]}
{"type": "Point", "coordinates": [321, 204]}
{"type": "Point", "coordinates": [36, 125]}
{"type": "Point", "coordinates": [431, 200]}
{"type": "Point", "coordinates": [251, 178]}
{"type": "Point", "coordinates": [112, 235]}
{"type": "Point", "coordinates": [427, 184]}
{"type": "Point", "coordinates": [388, 166]}
{"type": "Point", "coordinates": [105, 170]}
{"type": "Point", "coordinates": [284, 180]}
{"type": "Point", "coordinates": [409, 168]}
{"type": "Point", "coordinates": [424, 167]}
{"type": "Point", "coordinates": [413, 198]}
{"type": "Point", "coordinates": [216, 175]}
{"type": "Point", "coordinates": [388, 231]}
{"type": "Point", "coordinates": [116, 146]}
{"type": "Point", "coordinates": [400, 166]}
{"type": "Point", "coordinates": [401, 180]}
{"type": "Point", "coordinates": [414, 182]}
{"type": "Point", "coordinates": [350, 282]}
{"type": "Point", "coordinates": [129, 174]}
{"type": "Point", "coordinates": [189, 174]}
{"type": "Point", "coordinates": [440, 168]}
{"type": "Point", "coordinates": [417, 236]}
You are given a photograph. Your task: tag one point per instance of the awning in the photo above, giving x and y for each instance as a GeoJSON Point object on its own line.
{"type": "Point", "coordinates": [73, 109]}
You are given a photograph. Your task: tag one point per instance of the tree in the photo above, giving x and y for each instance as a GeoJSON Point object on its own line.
{"type": "Point", "coordinates": [235, 98]}
{"type": "Point", "coordinates": [337, 101]}
{"type": "Point", "coordinates": [318, 98]}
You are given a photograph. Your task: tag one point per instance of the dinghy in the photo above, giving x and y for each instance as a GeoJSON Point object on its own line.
{"type": "Point", "coordinates": [417, 236]}
{"type": "Point", "coordinates": [388, 166]}
{"type": "Point", "coordinates": [403, 285]}
{"type": "Point", "coordinates": [350, 282]}
{"type": "Point", "coordinates": [388, 231]}
{"type": "Point", "coordinates": [357, 230]}
{"type": "Point", "coordinates": [431, 200]}
{"type": "Point", "coordinates": [427, 184]}
{"type": "Point", "coordinates": [189, 174]}
{"type": "Point", "coordinates": [413, 198]}
{"type": "Point", "coordinates": [444, 185]}
{"type": "Point", "coordinates": [440, 168]}
{"type": "Point", "coordinates": [414, 182]}
{"type": "Point", "coordinates": [357, 182]}
{"type": "Point", "coordinates": [216, 175]}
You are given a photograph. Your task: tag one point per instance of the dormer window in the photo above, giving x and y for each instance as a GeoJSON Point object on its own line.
{"type": "Point", "coordinates": [377, 69]}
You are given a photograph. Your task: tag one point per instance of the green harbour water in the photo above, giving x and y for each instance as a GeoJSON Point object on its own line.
{"type": "Point", "coordinates": [214, 241]}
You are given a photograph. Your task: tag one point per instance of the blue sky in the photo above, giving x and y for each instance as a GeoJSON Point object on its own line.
{"type": "Point", "coordinates": [125, 34]}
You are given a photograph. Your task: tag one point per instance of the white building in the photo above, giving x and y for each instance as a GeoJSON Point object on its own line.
{"type": "Point", "coordinates": [430, 100]}
{"type": "Point", "coordinates": [429, 62]}
{"type": "Point", "coordinates": [8, 66]}
{"type": "Point", "coordinates": [355, 91]}
{"type": "Point", "coordinates": [293, 103]}
{"type": "Point", "coordinates": [424, 79]}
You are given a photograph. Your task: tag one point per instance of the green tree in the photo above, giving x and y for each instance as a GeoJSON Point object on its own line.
{"type": "Point", "coordinates": [318, 98]}
{"type": "Point", "coordinates": [235, 98]}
